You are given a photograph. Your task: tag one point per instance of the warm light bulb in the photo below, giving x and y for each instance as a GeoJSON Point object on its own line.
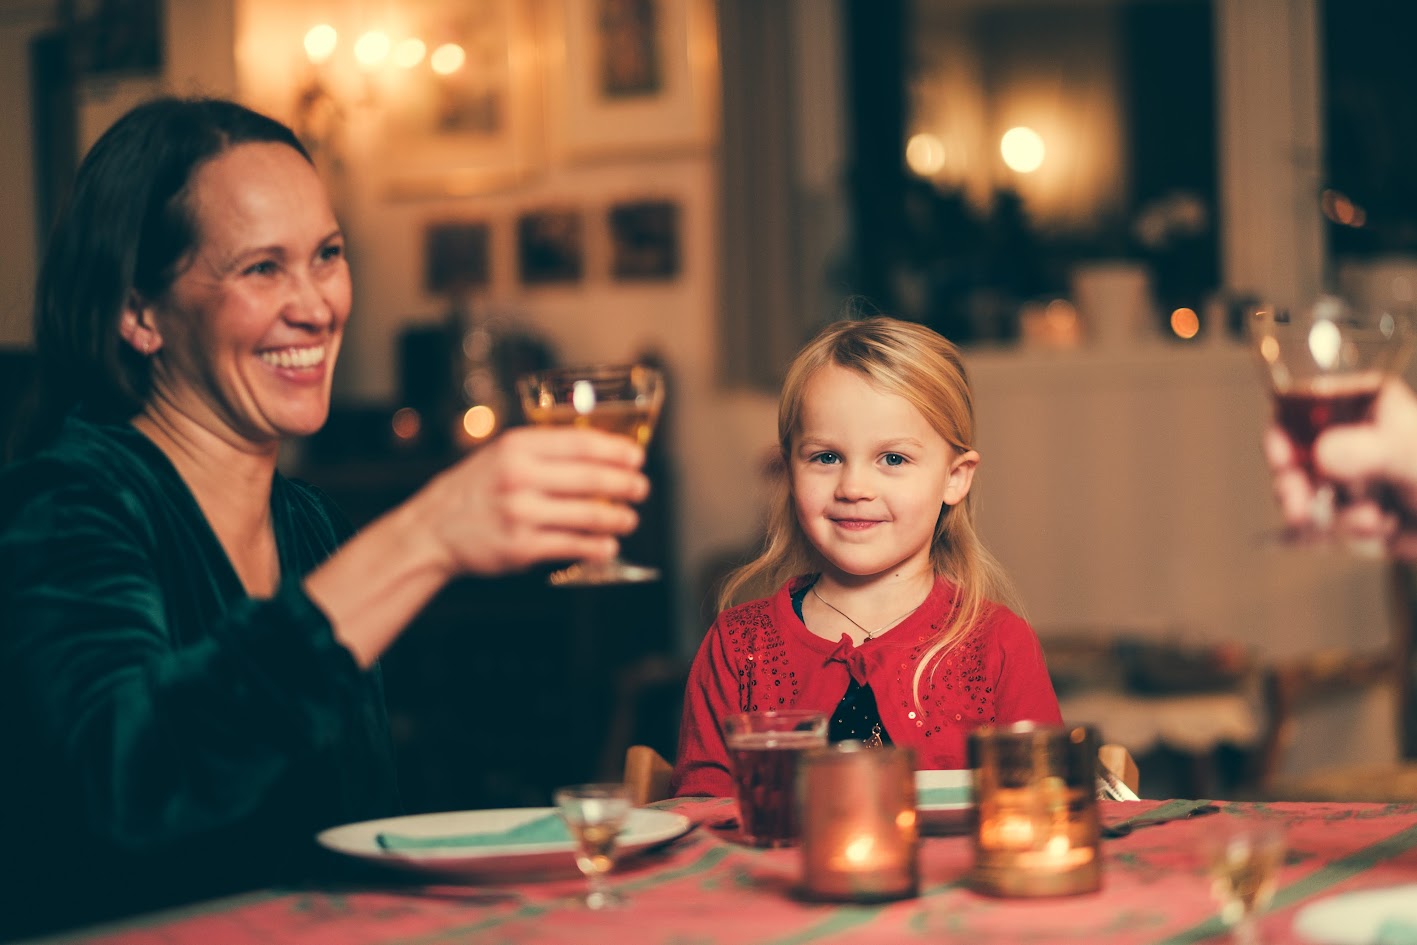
{"type": "Point", "coordinates": [409, 52]}
{"type": "Point", "coordinates": [447, 59]}
{"type": "Point", "coordinates": [1022, 149]}
{"type": "Point", "coordinates": [1185, 322]}
{"type": "Point", "coordinates": [320, 43]}
{"type": "Point", "coordinates": [372, 48]}
{"type": "Point", "coordinates": [407, 423]}
{"type": "Point", "coordinates": [479, 421]}
{"type": "Point", "coordinates": [924, 154]}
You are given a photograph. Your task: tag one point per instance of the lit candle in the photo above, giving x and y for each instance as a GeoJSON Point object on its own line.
{"type": "Point", "coordinates": [859, 836]}
{"type": "Point", "coordinates": [1037, 827]}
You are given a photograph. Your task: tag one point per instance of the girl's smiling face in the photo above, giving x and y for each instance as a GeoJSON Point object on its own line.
{"type": "Point", "coordinates": [870, 476]}
{"type": "Point", "coordinates": [248, 333]}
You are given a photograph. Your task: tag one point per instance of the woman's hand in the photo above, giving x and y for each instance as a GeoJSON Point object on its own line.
{"type": "Point", "coordinates": [1373, 465]}
{"type": "Point", "coordinates": [534, 495]}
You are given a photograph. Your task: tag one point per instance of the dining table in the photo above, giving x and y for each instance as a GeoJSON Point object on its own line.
{"type": "Point", "coordinates": [707, 887]}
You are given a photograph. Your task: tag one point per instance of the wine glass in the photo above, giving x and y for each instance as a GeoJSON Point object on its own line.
{"type": "Point", "coordinates": [618, 398]}
{"type": "Point", "coordinates": [1325, 363]}
{"type": "Point", "coordinates": [595, 814]}
{"type": "Point", "coordinates": [1243, 857]}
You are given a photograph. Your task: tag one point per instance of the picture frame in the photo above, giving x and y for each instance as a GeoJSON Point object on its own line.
{"type": "Point", "coordinates": [475, 130]}
{"type": "Point", "coordinates": [634, 76]}
{"type": "Point", "coordinates": [457, 256]}
{"type": "Point", "coordinates": [115, 37]}
{"type": "Point", "coordinates": [550, 246]}
{"type": "Point", "coordinates": [644, 240]}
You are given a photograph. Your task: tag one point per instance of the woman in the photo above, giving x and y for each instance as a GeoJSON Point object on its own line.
{"type": "Point", "coordinates": [188, 662]}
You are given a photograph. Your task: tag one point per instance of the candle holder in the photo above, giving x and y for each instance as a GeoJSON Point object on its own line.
{"type": "Point", "coordinates": [860, 842]}
{"type": "Point", "coordinates": [1036, 832]}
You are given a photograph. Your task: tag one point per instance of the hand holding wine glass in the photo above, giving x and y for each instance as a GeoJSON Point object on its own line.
{"type": "Point", "coordinates": [1374, 461]}
{"type": "Point", "coordinates": [620, 399]}
{"type": "Point", "coordinates": [1325, 364]}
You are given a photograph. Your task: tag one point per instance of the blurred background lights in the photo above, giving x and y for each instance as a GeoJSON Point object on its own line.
{"type": "Point", "coordinates": [479, 421]}
{"type": "Point", "coordinates": [1341, 209]}
{"type": "Point", "coordinates": [1022, 149]}
{"type": "Point", "coordinates": [372, 48]}
{"type": "Point", "coordinates": [409, 52]}
{"type": "Point", "coordinates": [447, 59]}
{"type": "Point", "coordinates": [924, 154]}
{"type": "Point", "coordinates": [1185, 322]}
{"type": "Point", "coordinates": [407, 424]}
{"type": "Point", "coordinates": [320, 43]}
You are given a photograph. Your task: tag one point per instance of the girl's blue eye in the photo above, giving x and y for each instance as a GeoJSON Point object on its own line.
{"type": "Point", "coordinates": [895, 459]}
{"type": "Point", "coordinates": [825, 458]}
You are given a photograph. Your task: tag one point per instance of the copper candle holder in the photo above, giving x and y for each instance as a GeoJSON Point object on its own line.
{"type": "Point", "coordinates": [860, 842]}
{"type": "Point", "coordinates": [1036, 832]}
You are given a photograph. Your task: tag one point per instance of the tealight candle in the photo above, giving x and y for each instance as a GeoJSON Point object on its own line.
{"type": "Point", "coordinates": [859, 837]}
{"type": "Point", "coordinates": [1036, 829]}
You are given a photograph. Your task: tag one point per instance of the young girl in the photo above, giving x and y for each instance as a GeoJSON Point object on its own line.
{"type": "Point", "coordinates": [873, 599]}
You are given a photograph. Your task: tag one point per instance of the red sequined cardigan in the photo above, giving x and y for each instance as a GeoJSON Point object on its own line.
{"type": "Point", "coordinates": [759, 656]}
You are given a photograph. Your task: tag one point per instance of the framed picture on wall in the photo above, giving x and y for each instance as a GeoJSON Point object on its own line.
{"type": "Point", "coordinates": [465, 118]}
{"type": "Point", "coordinates": [635, 76]}
{"type": "Point", "coordinates": [115, 37]}
{"type": "Point", "coordinates": [644, 240]}
{"type": "Point", "coordinates": [550, 247]}
{"type": "Point", "coordinates": [457, 257]}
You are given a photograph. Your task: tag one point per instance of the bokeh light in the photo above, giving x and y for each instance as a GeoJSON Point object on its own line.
{"type": "Point", "coordinates": [372, 48]}
{"type": "Point", "coordinates": [1185, 322]}
{"type": "Point", "coordinates": [447, 59]}
{"type": "Point", "coordinates": [924, 154]}
{"type": "Point", "coordinates": [409, 52]}
{"type": "Point", "coordinates": [479, 422]}
{"type": "Point", "coordinates": [320, 42]}
{"type": "Point", "coordinates": [1022, 149]}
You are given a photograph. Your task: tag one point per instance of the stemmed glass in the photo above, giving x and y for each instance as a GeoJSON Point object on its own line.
{"type": "Point", "coordinates": [595, 814]}
{"type": "Point", "coordinates": [1325, 363]}
{"type": "Point", "coordinates": [1243, 857]}
{"type": "Point", "coordinates": [618, 398]}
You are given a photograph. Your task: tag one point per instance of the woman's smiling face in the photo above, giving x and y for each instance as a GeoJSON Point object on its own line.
{"type": "Point", "coordinates": [870, 476]}
{"type": "Point", "coordinates": [248, 333]}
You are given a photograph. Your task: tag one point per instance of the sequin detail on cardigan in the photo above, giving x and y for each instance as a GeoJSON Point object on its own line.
{"type": "Point", "coordinates": [955, 690]}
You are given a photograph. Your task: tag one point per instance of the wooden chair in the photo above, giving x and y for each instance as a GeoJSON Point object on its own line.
{"type": "Point", "coordinates": [647, 774]}
{"type": "Point", "coordinates": [1316, 680]}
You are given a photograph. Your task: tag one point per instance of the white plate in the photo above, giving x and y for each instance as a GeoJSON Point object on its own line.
{"type": "Point", "coordinates": [1354, 918]}
{"type": "Point", "coordinates": [644, 829]}
{"type": "Point", "coordinates": [952, 805]}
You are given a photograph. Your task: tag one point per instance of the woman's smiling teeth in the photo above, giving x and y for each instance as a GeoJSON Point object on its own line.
{"type": "Point", "coordinates": [294, 357]}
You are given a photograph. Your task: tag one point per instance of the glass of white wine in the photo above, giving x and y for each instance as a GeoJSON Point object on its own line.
{"type": "Point", "coordinates": [624, 399]}
{"type": "Point", "coordinates": [595, 814]}
{"type": "Point", "coordinates": [1244, 856]}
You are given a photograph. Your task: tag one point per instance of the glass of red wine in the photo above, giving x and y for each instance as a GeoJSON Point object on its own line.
{"type": "Point", "coordinates": [1325, 362]}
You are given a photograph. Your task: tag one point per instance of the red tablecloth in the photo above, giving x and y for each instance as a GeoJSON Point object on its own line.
{"type": "Point", "coordinates": [706, 889]}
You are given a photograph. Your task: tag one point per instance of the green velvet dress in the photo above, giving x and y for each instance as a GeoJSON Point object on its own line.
{"type": "Point", "coordinates": [167, 737]}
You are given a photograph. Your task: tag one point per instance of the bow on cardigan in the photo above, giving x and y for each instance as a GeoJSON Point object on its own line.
{"type": "Point", "coordinates": [846, 652]}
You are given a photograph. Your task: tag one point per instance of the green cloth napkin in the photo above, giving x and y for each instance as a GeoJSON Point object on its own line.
{"type": "Point", "coordinates": [548, 829]}
{"type": "Point", "coordinates": [939, 796]}
{"type": "Point", "coordinates": [1396, 932]}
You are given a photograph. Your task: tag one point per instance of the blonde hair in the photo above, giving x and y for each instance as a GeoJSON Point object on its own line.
{"type": "Point", "coordinates": [915, 363]}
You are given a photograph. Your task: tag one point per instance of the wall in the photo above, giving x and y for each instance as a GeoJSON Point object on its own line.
{"type": "Point", "coordinates": [717, 435]}
{"type": "Point", "coordinates": [20, 21]}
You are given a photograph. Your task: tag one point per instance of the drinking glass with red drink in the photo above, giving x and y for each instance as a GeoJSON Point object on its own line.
{"type": "Point", "coordinates": [1326, 362]}
{"type": "Point", "coordinates": [766, 750]}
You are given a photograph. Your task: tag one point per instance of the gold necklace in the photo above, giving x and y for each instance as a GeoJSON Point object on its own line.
{"type": "Point", "coordinates": [870, 634]}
